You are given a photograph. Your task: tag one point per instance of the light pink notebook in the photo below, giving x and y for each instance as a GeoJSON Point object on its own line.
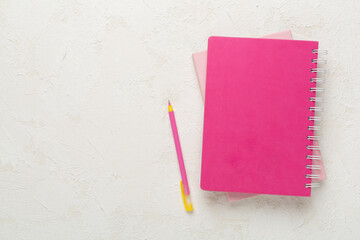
{"type": "Point", "coordinates": [247, 145]}
{"type": "Point", "coordinates": [200, 61]}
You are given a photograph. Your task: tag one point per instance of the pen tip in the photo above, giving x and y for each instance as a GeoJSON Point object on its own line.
{"type": "Point", "coordinates": [169, 102]}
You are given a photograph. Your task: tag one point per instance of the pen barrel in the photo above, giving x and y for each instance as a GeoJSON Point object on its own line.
{"type": "Point", "coordinates": [179, 153]}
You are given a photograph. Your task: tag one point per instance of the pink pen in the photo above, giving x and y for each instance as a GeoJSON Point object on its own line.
{"type": "Point", "coordinates": [184, 183]}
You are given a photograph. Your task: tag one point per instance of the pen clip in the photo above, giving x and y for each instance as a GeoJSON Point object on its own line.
{"type": "Point", "coordinates": [187, 204]}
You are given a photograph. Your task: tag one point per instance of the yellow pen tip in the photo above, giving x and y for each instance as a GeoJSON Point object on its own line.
{"type": "Point", "coordinates": [186, 199]}
{"type": "Point", "coordinates": [188, 205]}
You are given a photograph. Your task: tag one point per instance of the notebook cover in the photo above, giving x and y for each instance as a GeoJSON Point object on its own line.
{"type": "Point", "coordinates": [251, 104]}
{"type": "Point", "coordinates": [200, 61]}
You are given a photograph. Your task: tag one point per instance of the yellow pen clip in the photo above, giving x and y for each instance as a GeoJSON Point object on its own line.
{"type": "Point", "coordinates": [186, 199]}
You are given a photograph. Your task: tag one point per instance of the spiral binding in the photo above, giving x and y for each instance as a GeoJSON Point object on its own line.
{"type": "Point", "coordinates": [313, 167]}
{"type": "Point", "coordinates": [318, 70]}
{"type": "Point", "coordinates": [316, 109]}
{"type": "Point", "coordinates": [312, 118]}
{"type": "Point", "coordinates": [316, 89]}
{"type": "Point", "coordinates": [316, 99]}
{"type": "Point", "coordinates": [313, 176]}
{"type": "Point", "coordinates": [311, 147]}
{"type": "Point", "coordinates": [317, 80]}
{"type": "Point", "coordinates": [320, 51]}
{"type": "Point", "coordinates": [315, 118]}
{"type": "Point", "coordinates": [313, 138]}
{"type": "Point", "coordinates": [314, 128]}
{"type": "Point", "coordinates": [311, 185]}
{"type": "Point", "coordinates": [318, 61]}
{"type": "Point", "coordinates": [313, 157]}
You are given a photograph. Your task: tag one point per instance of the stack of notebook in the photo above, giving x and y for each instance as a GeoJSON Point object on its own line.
{"type": "Point", "coordinates": [260, 113]}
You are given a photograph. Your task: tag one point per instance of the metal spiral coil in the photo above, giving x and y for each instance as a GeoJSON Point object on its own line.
{"type": "Point", "coordinates": [312, 176]}
{"type": "Point", "coordinates": [313, 138]}
{"type": "Point", "coordinates": [311, 147]}
{"type": "Point", "coordinates": [313, 118]}
{"type": "Point", "coordinates": [311, 185]}
{"type": "Point", "coordinates": [318, 70]}
{"type": "Point", "coordinates": [316, 109]}
{"type": "Point", "coordinates": [324, 52]}
{"type": "Point", "coordinates": [319, 61]}
{"type": "Point", "coordinates": [315, 80]}
{"type": "Point", "coordinates": [316, 89]}
{"type": "Point", "coordinates": [316, 99]}
{"type": "Point", "coordinates": [313, 157]}
{"type": "Point", "coordinates": [313, 167]}
{"type": "Point", "coordinates": [314, 128]}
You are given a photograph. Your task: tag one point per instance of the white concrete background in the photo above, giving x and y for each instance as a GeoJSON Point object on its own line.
{"type": "Point", "coordinates": [86, 150]}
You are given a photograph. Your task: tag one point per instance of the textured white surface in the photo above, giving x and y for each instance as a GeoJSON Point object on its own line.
{"type": "Point", "coordinates": [86, 150]}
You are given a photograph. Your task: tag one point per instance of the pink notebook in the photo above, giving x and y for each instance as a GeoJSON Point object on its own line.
{"type": "Point", "coordinates": [252, 103]}
{"type": "Point", "coordinates": [200, 62]}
